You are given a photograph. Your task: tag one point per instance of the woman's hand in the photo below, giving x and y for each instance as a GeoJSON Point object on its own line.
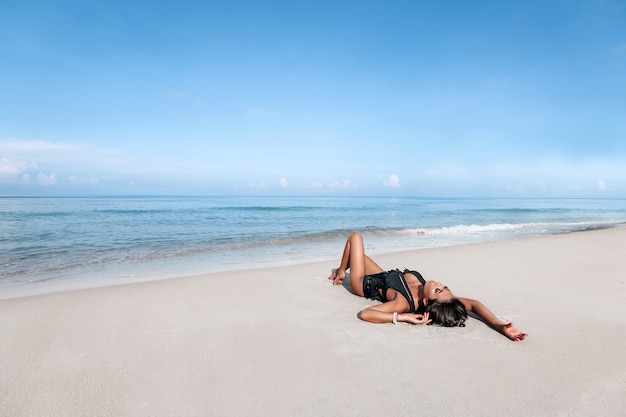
{"type": "Point", "coordinates": [414, 318]}
{"type": "Point", "coordinates": [512, 333]}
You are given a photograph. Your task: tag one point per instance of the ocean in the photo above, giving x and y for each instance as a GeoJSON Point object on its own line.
{"type": "Point", "coordinates": [52, 243]}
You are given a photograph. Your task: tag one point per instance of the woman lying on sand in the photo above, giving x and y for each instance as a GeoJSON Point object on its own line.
{"type": "Point", "coordinates": [407, 297]}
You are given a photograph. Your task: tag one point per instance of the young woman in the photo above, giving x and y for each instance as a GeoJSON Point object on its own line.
{"type": "Point", "coordinates": [407, 297]}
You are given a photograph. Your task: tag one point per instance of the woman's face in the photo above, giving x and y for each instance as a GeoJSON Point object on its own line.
{"type": "Point", "coordinates": [434, 290]}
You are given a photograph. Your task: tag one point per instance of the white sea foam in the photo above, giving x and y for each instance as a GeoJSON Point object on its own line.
{"type": "Point", "coordinates": [472, 228]}
{"type": "Point", "coordinates": [48, 239]}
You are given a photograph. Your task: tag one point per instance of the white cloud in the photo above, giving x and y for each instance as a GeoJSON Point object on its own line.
{"type": "Point", "coordinates": [36, 146]}
{"type": "Point", "coordinates": [62, 156]}
{"type": "Point", "coordinates": [10, 168]}
{"type": "Point", "coordinates": [283, 182]}
{"type": "Point", "coordinates": [255, 185]}
{"type": "Point", "coordinates": [47, 179]}
{"type": "Point", "coordinates": [83, 160]}
{"type": "Point", "coordinates": [394, 181]}
{"type": "Point", "coordinates": [601, 185]}
{"type": "Point", "coordinates": [82, 180]}
{"type": "Point", "coordinates": [339, 184]}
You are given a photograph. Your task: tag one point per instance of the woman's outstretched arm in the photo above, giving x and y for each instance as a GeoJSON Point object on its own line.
{"type": "Point", "coordinates": [507, 329]}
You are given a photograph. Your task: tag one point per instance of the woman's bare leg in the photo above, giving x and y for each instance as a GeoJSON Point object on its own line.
{"type": "Point", "coordinates": [354, 258]}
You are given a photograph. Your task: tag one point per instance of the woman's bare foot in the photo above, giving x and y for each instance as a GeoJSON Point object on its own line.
{"type": "Point", "coordinates": [337, 276]}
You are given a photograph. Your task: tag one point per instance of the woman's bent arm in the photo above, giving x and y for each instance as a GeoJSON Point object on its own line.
{"type": "Point", "coordinates": [384, 313]}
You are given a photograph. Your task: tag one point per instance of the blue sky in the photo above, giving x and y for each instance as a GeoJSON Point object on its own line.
{"type": "Point", "coordinates": [419, 98]}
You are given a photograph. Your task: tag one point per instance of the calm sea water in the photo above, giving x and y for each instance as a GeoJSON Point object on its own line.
{"type": "Point", "coordinates": [49, 243]}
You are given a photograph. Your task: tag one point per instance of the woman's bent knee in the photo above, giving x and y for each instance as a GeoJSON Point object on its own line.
{"type": "Point", "coordinates": [356, 235]}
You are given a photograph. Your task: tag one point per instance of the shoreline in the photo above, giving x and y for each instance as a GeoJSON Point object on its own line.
{"type": "Point", "coordinates": [20, 289]}
{"type": "Point", "coordinates": [90, 242]}
{"type": "Point", "coordinates": [284, 341]}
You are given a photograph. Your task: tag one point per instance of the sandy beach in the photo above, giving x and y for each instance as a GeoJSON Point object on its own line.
{"type": "Point", "coordinates": [285, 342]}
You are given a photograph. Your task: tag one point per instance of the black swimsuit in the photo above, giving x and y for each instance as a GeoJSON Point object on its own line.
{"type": "Point", "coordinates": [375, 286]}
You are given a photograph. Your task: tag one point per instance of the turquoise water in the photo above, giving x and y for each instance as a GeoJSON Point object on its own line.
{"type": "Point", "coordinates": [87, 241]}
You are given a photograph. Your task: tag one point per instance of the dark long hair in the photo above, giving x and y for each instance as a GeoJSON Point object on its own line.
{"type": "Point", "coordinates": [448, 314]}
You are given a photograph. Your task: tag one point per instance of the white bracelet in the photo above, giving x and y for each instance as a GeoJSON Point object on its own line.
{"type": "Point", "coordinates": [395, 318]}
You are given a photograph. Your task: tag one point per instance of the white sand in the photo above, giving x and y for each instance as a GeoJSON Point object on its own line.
{"type": "Point", "coordinates": [285, 342]}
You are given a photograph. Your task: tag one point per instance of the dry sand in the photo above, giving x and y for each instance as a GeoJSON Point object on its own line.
{"type": "Point", "coordinates": [285, 342]}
